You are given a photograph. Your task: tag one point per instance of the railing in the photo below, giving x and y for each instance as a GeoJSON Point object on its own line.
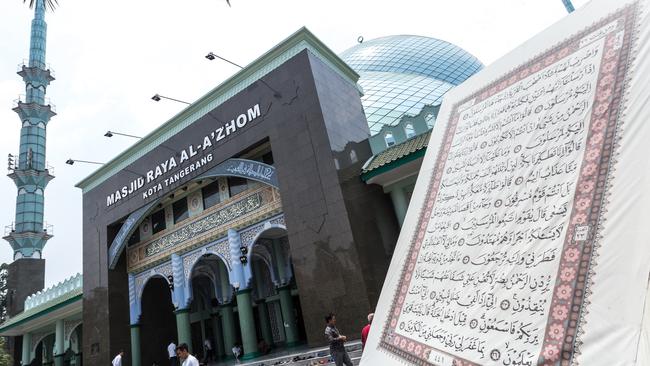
{"type": "Point", "coordinates": [47, 228]}
{"type": "Point", "coordinates": [25, 63]}
{"type": "Point", "coordinates": [22, 98]}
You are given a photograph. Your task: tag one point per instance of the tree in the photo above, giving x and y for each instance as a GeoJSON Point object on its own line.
{"type": "Point", "coordinates": [5, 359]}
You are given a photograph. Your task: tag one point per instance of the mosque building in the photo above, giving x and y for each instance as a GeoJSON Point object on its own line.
{"type": "Point", "coordinates": [272, 200]}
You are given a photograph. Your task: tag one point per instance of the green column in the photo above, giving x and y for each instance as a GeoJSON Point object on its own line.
{"type": "Point", "coordinates": [279, 259]}
{"type": "Point", "coordinates": [229, 332]}
{"type": "Point", "coordinates": [265, 323]}
{"type": "Point", "coordinates": [398, 196]}
{"type": "Point", "coordinates": [135, 345]}
{"type": "Point", "coordinates": [218, 337]}
{"type": "Point", "coordinates": [288, 316]}
{"type": "Point", "coordinates": [27, 345]}
{"type": "Point", "coordinates": [58, 343]}
{"type": "Point", "coordinates": [183, 327]}
{"type": "Point", "coordinates": [247, 324]}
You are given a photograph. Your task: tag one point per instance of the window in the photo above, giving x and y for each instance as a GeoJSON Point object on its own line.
{"type": "Point", "coordinates": [180, 210]}
{"type": "Point", "coordinates": [158, 221]}
{"type": "Point", "coordinates": [211, 195]}
{"type": "Point", "coordinates": [135, 238]}
{"type": "Point", "coordinates": [409, 130]}
{"type": "Point", "coordinates": [390, 140]}
{"type": "Point", "coordinates": [237, 185]}
{"type": "Point", "coordinates": [353, 157]}
{"type": "Point", "coordinates": [267, 158]}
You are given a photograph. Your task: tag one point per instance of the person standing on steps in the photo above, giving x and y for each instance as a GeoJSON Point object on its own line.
{"type": "Point", "coordinates": [336, 342]}
{"type": "Point", "coordinates": [117, 361]}
{"type": "Point", "coordinates": [365, 331]}
{"type": "Point", "coordinates": [171, 351]}
{"type": "Point", "coordinates": [185, 357]}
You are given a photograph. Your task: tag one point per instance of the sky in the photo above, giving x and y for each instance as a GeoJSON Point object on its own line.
{"type": "Point", "coordinates": [110, 59]}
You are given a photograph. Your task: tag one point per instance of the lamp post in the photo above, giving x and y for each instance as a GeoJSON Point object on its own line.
{"type": "Point", "coordinates": [211, 56]}
{"type": "Point", "coordinates": [111, 133]}
{"type": "Point", "coordinates": [72, 161]}
{"type": "Point", "coordinates": [158, 97]}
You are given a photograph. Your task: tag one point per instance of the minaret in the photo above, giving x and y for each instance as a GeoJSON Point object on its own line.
{"type": "Point", "coordinates": [30, 173]}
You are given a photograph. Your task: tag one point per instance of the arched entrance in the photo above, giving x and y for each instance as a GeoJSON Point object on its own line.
{"type": "Point", "coordinates": [157, 322]}
{"type": "Point", "coordinates": [212, 317]}
{"type": "Point", "coordinates": [73, 356]}
{"type": "Point", "coordinates": [43, 353]}
{"type": "Point", "coordinates": [278, 313]}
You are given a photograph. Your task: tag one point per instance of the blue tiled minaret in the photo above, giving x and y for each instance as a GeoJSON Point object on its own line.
{"type": "Point", "coordinates": [29, 170]}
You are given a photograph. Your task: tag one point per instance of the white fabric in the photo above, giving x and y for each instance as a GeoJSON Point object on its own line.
{"type": "Point", "coordinates": [191, 361]}
{"type": "Point", "coordinates": [524, 158]}
{"type": "Point", "coordinates": [171, 350]}
{"type": "Point", "coordinates": [207, 344]}
{"type": "Point", "coordinates": [117, 361]}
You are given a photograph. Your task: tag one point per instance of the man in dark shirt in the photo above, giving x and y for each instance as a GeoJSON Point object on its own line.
{"type": "Point", "coordinates": [336, 341]}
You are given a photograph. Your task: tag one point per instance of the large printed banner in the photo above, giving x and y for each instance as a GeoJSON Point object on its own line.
{"type": "Point", "coordinates": [526, 241]}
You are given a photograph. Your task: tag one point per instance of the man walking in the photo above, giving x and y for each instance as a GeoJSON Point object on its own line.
{"type": "Point", "coordinates": [365, 331]}
{"type": "Point", "coordinates": [185, 357]}
{"type": "Point", "coordinates": [117, 361]}
{"type": "Point", "coordinates": [171, 351]}
{"type": "Point", "coordinates": [336, 341]}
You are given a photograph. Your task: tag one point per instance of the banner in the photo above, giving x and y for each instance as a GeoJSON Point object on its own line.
{"type": "Point", "coordinates": [527, 238]}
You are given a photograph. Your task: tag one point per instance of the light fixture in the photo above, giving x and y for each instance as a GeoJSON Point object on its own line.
{"type": "Point", "coordinates": [72, 161]}
{"type": "Point", "coordinates": [211, 56]}
{"type": "Point", "coordinates": [113, 133]}
{"type": "Point", "coordinates": [158, 97]}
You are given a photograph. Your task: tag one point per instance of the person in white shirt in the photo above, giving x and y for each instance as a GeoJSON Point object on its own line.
{"type": "Point", "coordinates": [171, 350]}
{"type": "Point", "coordinates": [184, 355]}
{"type": "Point", "coordinates": [207, 350]}
{"type": "Point", "coordinates": [117, 361]}
{"type": "Point", "coordinates": [236, 351]}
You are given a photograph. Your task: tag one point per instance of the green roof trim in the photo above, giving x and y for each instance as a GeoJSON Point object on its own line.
{"type": "Point", "coordinates": [291, 46]}
{"type": "Point", "coordinates": [41, 310]}
{"type": "Point", "coordinates": [396, 155]}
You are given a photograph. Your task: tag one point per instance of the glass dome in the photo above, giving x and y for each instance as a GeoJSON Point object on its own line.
{"type": "Point", "coordinates": [400, 74]}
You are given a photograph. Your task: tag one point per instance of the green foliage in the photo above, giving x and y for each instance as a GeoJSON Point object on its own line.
{"type": "Point", "coordinates": [3, 293]}
{"type": "Point", "coordinates": [5, 358]}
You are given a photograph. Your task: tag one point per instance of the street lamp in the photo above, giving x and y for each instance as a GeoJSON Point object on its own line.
{"type": "Point", "coordinates": [157, 98]}
{"type": "Point", "coordinates": [72, 161]}
{"type": "Point", "coordinates": [111, 133]}
{"type": "Point", "coordinates": [211, 56]}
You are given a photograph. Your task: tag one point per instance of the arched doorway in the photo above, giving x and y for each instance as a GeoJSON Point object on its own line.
{"type": "Point", "coordinates": [212, 317]}
{"type": "Point", "coordinates": [43, 353]}
{"type": "Point", "coordinates": [157, 322]}
{"type": "Point", "coordinates": [73, 354]}
{"type": "Point", "coordinates": [278, 312]}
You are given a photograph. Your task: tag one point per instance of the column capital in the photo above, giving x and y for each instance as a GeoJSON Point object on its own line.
{"type": "Point", "coordinates": [182, 311]}
{"type": "Point", "coordinates": [243, 291]}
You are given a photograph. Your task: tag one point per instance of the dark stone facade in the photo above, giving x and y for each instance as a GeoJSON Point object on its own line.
{"type": "Point", "coordinates": [340, 231]}
{"type": "Point", "coordinates": [25, 277]}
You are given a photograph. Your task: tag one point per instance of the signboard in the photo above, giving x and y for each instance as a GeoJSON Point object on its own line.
{"type": "Point", "coordinates": [525, 242]}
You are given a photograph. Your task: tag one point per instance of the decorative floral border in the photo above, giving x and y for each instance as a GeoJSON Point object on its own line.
{"type": "Point", "coordinates": [569, 294]}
